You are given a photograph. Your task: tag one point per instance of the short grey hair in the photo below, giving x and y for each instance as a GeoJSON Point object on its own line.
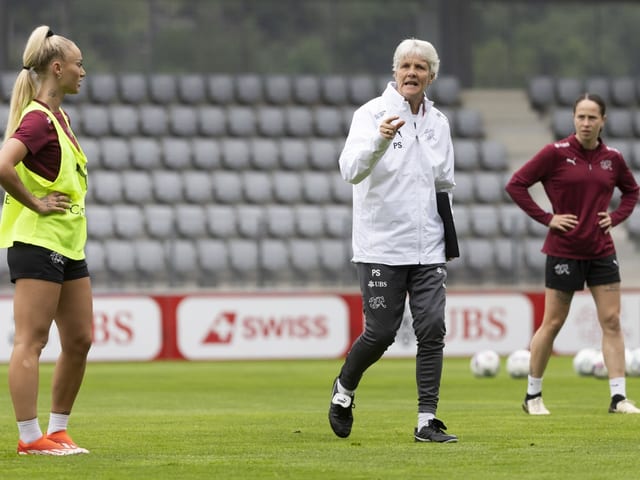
{"type": "Point", "coordinates": [419, 48]}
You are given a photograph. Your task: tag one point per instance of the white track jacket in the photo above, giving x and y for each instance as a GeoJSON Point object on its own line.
{"type": "Point", "coordinates": [395, 217]}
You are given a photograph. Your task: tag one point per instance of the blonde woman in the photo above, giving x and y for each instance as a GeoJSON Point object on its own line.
{"type": "Point", "coordinates": [44, 174]}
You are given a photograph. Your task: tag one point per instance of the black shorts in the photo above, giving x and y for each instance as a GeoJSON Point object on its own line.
{"type": "Point", "coordinates": [32, 261]}
{"type": "Point", "coordinates": [570, 275]}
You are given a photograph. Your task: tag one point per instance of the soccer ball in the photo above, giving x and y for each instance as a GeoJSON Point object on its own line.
{"type": "Point", "coordinates": [583, 362]}
{"type": "Point", "coordinates": [599, 367]}
{"type": "Point", "coordinates": [485, 363]}
{"type": "Point", "coordinates": [633, 363]}
{"type": "Point", "coordinates": [518, 363]}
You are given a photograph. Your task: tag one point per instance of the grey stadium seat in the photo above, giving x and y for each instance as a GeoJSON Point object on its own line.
{"type": "Point", "coordinates": [567, 90]}
{"type": "Point", "coordinates": [534, 259]}
{"type": "Point", "coordinates": [100, 222]}
{"type": "Point", "coordinates": [316, 187]}
{"type": "Point", "coordinates": [220, 89]}
{"type": "Point", "coordinates": [120, 259]}
{"type": "Point", "coordinates": [151, 260]}
{"type": "Point", "coordinates": [103, 88]}
{"type": "Point", "coordinates": [298, 121]}
{"type": "Point", "coordinates": [115, 153]}
{"type": "Point", "coordinates": [243, 257]}
{"type": "Point", "coordinates": [167, 186]}
{"type": "Point", "coordinates": [96, 259]}
{"type": "Point", "coordinates": [310, 221]}
{"type": "Point", "coordinates": [95, 120]}
{"type": "Point", "coordinates": [241, 121]}
{"type": "Point", "coordinates": [159, 221]}
{"type": "Point", "coordinates": [541, 92]}
{"type": "Point", "coordinates": [198, 186]}
{"type": "Point", "coordinates": [480, 255]}
{"type": "Point", "coordinates": [493, 155]}
{"type": "Point", "coordinates": [335, 257]}
{"type": "Point", "coordinates": [280, 221]}
{"type": "Point", "coordinates": [306, 89]}
{"type": "Point", "coordinates": [305, 258]}
{"type": "Point", "coordinates": [337, 220]}
{"type": "Point", "coordinates": [270, 121]}
{"type": "Point", "coordinates": [183, 260]}
{"type": "Point", "coordinates": [334, 90]}
{"type": "Point", "coordinates": [624, 146]}
{"type": "Point", "coordinates": [183, 121]}
{"type": "Point", "coordinates": [190, 220]}
{"type": "Point", "coordinates": [623, 92]}
{"type": "Point", "coordinates": [536, 229]}
{"type": "Point", "coordinates": [248, 88]}
{"type": "Point", "coordinates": [154, 120]}
{"type": "Point", "coordinates": [484, 221]}
{"type": "Point", "coordinates": [600, 86]}
{"type": "Point", "coordinates": [251, 221]}
{"type": "Point", "coordinates": [467, 154]}
{"type": "Point", "coordinates": [162, 88]}
{"type": "Point", "coordinates": [464, 189]}
{"type": "Point", "coordinates": [294, 154]}
{"type": "Point", "coordinates": [7, 79]}
{"type": "Point", "coordinates": [562, 122]}
{"type": "Point", "coordinates": [286, 187]}
{"type": "Point", "coordinates": [221, 221]}
{"type": "Point", "coordinates": [462, 220]}
{"type": "Point", "coordinates": [328, 122]}
{"type": "Point", "coordinates": [273, 259]}
{"type": "Point", "coordinates": [213, 259]}
{"type": "Point", "coordinates": [323, 154]}
{"type": "Point", "coordinates": [106, 186]}
{"type": "Point", "coordinates": [488, 187]}
{"type": "Point", "coordinates": [133, 88]}
{"type": "Point", "coordinates": [176, 153]}
{"type": "Point", "coordinates": [212, 121]}
{"type": "Point", "coordinates": [341, 190]}
{"type": "Point", "coordinates": [236, 154]}
{"type": "Point", "coordinates": [228, 187]}
{"type": "Point", "coordinates": [206, 154]}
{"type": "Point", "coordinates": [446, 91]}
{"type": "Point", "coordinates": [619, 123]}
{"type": "Point", "coordinates": [145, 153]}
{"type": "Point", "coordinates": [264, 154]}
{"type": "Point", "coordinates": [468, 123]}
{"type": "Point", "coordinates": [128, 221]}
{"type": "Point", "coordinates": [91, 148]}
{"type": "Point", "coordinates": [362, 88]}
{"type": "Point", "coordinates": [124, 120]}
{"type": "Point", "coordinates": [137, 187]}
{"type": "Point", "coordinates": [257, 187]}
{"type": "Point", "coordinates": [513, 222]}
{"type": "Point", "coordinates": [191, 89]}
{"type": "Point", "coordinates": [277, 89]}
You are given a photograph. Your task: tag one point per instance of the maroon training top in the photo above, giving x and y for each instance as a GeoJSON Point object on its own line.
{"type": "Point", "coordinates": [41, 139]}
{"type": "Point", "coordinates": [581, 182]}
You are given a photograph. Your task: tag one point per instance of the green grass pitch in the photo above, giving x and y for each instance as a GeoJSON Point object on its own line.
{"type": "Point", "coordinates": [268, 420]}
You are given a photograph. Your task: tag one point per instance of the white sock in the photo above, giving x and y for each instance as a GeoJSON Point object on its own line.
{"type": "Point", "coordinates": [534, 385]}
{"type": "Point", "coordinates": [57, 422]}
{"type": "Point", "coordinates": [29, 430]}
{"type": "Point", "coordinates": [424, 418]}
{"type": "Point", "coordinates": [343, 390]}
{"type": "Point", "coordinates": [618, 386]}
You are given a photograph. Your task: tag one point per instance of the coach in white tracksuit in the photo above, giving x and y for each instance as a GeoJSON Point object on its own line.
{"type": "Point", "coordinates": [397, 155]}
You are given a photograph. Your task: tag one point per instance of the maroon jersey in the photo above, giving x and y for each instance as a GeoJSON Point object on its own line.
{"type": "Point", "coordinates": [41, 139]}
{"type": "Point", "coordinates": [580, 182]}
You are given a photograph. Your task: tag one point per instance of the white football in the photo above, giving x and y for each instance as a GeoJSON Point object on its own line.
{"type": "Point", "coordinates": [485, 363]}
{"type": "Point", "coordinates": [633, 364]}
{"type": "Point", "coordinates": [583, 361]}
{"type": "Point", "coordinates": [518, 363]}
{"type": "Point", "coordinates": [599, 367]}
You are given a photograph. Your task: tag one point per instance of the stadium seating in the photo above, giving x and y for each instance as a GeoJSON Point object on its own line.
{"type": "Point", "coordinates": [233, 179]}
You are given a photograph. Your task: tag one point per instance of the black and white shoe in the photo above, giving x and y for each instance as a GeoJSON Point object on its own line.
{"type": "Point", "coordinates": [340, 415]}
{"type": "Point", "coordinates": [434, 431]}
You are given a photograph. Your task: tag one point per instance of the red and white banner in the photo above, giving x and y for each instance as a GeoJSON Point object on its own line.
{"type": "Point", "coordinates": [276, 325]}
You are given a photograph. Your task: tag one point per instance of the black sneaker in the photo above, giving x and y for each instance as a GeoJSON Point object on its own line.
{"type": "Point", "coordinates": [340, 416]}
{"type": "Point", "coordinates": [434, 432]}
